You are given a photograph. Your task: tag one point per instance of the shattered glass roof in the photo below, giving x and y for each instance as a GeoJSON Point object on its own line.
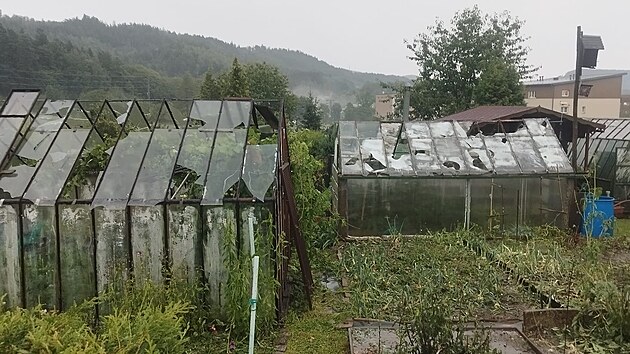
{"type": "Point", "coordinates": [139, 153]}
{"type": "Point", "coordinates": [449, 148]}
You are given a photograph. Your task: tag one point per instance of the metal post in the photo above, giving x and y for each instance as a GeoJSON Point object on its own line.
{"type": "Point", "coordinates": [576, 93]}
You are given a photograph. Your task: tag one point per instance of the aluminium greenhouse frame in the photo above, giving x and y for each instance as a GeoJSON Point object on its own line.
{"type": "Point", "coordinates": [149, 169]}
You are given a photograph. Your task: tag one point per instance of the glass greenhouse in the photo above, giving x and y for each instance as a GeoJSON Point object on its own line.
{"type": "Point", "coordinates": [422, 176]}
{"type": "Point", "coordinates": [142, 187]}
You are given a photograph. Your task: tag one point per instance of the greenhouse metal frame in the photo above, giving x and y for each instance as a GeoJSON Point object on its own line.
{"type": "Point", "coordinates": [143, 187]}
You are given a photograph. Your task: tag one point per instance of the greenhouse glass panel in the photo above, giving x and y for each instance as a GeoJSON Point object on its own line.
{"type": "Point", "coordinates": [205, 114]}
{"type": "Point", "coordinates": [39, 252]}
{"type": "Point", "coordinates": [9, 129]}
{"type": "Point", "coordinates": [501, 154]}
{"type": "Point", "coordinates": [234, 114]}
{"type": "Point", "coordinates": [527, 155]}
{"type": "Point", "coordinates": [259, 169]}
{"type": "Point", "coordinates": [225, 167]}
{"type": "Point", "coordinates": [154, 176]}
{"type": "Point", "coordinates": [147, 243]}
{"type": "Point", "coordinates": [373, 154]}
{"type": "Point", "coordinates": [76, 254]}
{"type": "Point", "coordinates": [19, 103]}
{"type": "Point", "coordinates": [185, 242]}
{"type": "Point", "coordinates": [118, 178]}
{"type": "Point", "coordinates": [407, 206]}
{"type": "Point", "coordinates": [553, 155]}
{"type": "Point", "coordinates": [10, 268]}
{"type": "Point", "coordinates": [33, 148]}
{"type": "Point", "coordinates": [425, 156]}
{"type": "Point", "coordinates": [369, 130]}
{"type": "Point", "coordinates": [56, 166]}
{"type": "Point", "coordinates": [347, 129]}
{"type": "Point", "coordinates": [192, 165]}
{"type": "Point", "coordinates": [450, 155]}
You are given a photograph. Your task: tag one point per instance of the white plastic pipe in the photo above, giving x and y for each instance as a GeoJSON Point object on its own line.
{"type": "Point", "coordinates": [252, 304]}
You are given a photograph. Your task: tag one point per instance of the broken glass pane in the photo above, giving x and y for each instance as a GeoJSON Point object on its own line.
{"type": "Point", "coordinates": [351, 165]}
{"type": "Point", "coordinates": [234, 114]}
{"type": "Point", "coordinates": [121, 172]}
{"type": "Point", "coordinates": [225, 165]}
{"type": "Point", "coordinates": [501, 154]}
{"type": "Point", "coordinates": [259, 169]}
{"type": "Point", "coordinates": [155, 173]}
{"type": "Point", "coordinates": [425, 157]}
{"type": "Point", "coordinates": [32, 149]}
{"type": "Point", "coordinates": [539, 126]}
{"type": "Point", "coordinates": [373, 155]}
{"type": "Point", "coordinates": [553, 155]}
{"type": "Point", "coordinates": [442, 129]}
{"type": "Point", "coordinates": [417, 130]}
{"type": "Point", "coordinates": [180, 111]}
{"type": "Point", "coordinates": [205, 114]}
{"type": "Point", "coordinates": [56, 167]}
{"type": "Point", "coordinates": [527, 155]}
{"type": "Point", "coordinates": [9, 128]}
{"type": "Point", "coordinates": [476, 154]}
{"type": "Point", "coordinates": [450, 156]}
{"type": "Point", "coordinates": [397, 150]}
{"type": "Point", "coordinates": [192, 165]}
{"type": "Point", "coordinates": [19, 103]}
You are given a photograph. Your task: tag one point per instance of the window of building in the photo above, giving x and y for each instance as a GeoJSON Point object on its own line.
{"type": "Point", "coordinates": [565, 93]}
{"type": "Point", "coordinates": [531, 94]}
{"type": "Point", "coordinates": [564, 109]}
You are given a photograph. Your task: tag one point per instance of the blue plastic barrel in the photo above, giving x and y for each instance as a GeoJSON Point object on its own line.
{"type": "Point", "coordinates": [598, 218]}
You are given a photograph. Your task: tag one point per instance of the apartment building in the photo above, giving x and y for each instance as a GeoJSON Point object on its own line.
{"type": "Point", "coordinates": [600, 94]}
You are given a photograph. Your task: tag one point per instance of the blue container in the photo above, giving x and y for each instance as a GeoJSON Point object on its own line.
{"type": "Point", "coordinates": [598, 218]}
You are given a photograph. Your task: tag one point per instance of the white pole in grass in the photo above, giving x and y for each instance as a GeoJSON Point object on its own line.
{"type": "Point", "coordinates": [252, 305]}
{"type": "Point", "coordinates": [254, 298]}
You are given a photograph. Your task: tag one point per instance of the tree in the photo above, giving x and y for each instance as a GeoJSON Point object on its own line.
{"type": "Point", "coordinates": [234, 83]}
{"type": "Point", "coordinates": [266, 81]}
{"type": "Point", "coordinates": [499, 85]}
{"type": "Point", "coordinates": [210, 89]}
{"type": "Point", "coordinates": [453, 59]}
{"type": "Point", "coordinates": [312, 118]}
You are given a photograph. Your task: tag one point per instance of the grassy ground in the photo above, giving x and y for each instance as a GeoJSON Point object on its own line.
{"type": "Point", "coordinates": [388, 279]}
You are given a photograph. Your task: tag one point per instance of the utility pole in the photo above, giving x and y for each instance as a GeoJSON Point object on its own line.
{"type": "Point", "coordinates": [576, 92]}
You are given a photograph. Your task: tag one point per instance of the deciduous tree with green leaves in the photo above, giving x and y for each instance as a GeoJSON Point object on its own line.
{"type": "Point", "coordinates": [312, 118]}
{"type": "Point", "coordinates": [460, 63]}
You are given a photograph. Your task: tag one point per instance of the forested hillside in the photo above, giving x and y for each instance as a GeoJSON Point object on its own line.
{"type": "Point", "coordinates": [81, 55]}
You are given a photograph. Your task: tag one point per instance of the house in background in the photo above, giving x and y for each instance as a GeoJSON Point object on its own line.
{"type": "Point", "coordinates": [384, 105]}
{"type": "Point", "coordinates": [600, 94]}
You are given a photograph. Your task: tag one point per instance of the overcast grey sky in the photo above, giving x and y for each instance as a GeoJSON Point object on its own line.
{"type": "Point", "coordinates": [361, 35]}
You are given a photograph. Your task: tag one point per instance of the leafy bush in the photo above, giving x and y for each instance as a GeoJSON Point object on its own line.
{"type": "Point", "coordinates": [318, 225]}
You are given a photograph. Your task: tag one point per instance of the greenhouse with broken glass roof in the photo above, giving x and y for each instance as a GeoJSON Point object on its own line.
{"type": "Point", "coordinates": [422, 176]}
{"type": "Point", "coordinates": [144, 187]}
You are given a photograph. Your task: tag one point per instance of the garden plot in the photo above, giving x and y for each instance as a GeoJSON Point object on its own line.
{"type": "Point", "coordinates": [592, 275]}
{"type": "Point", "coordinates": [387, 278]}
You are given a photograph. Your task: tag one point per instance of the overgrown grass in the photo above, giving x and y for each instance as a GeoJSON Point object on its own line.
{"type": "Point", "coordinates": [590, 274]}
{"type": "Point", "coordinates": [381, 272]}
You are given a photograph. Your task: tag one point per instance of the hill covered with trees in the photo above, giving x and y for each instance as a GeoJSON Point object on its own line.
{"type": "Point", "coordinates": [86, 56]}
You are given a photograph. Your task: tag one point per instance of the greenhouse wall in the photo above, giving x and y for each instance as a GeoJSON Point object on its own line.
{"type": "Point", "coordinates": [411, 206]}
{"type": "Point", "coordinates": [74, 257]}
